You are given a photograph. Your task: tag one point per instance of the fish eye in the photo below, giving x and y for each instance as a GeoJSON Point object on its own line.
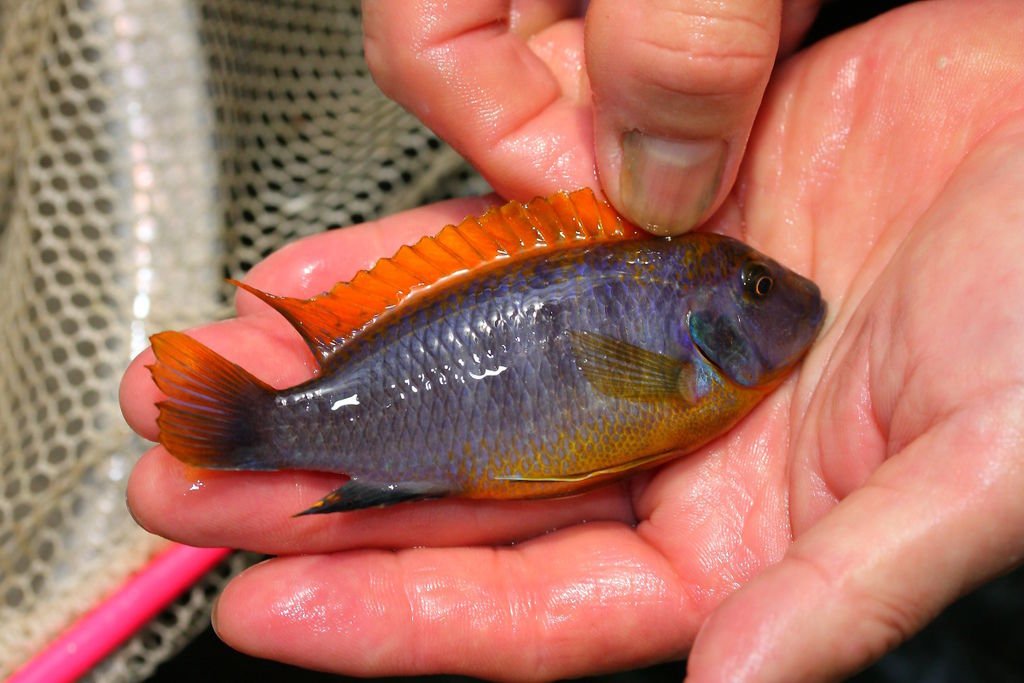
{"type": "Point", "coordinates": [757, 280]}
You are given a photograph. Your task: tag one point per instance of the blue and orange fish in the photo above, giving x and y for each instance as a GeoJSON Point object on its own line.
{"type": "Point", "coordinates": [536, 351]}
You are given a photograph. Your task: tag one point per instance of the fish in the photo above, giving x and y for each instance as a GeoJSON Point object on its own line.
{"type": "Point", "coordinates": [536, 351]}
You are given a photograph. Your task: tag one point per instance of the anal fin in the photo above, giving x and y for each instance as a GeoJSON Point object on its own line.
{"type": "Point", "coordinates": [356, 494]}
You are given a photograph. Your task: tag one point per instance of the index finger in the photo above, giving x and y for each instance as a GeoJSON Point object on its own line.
{"type": "Point", "coordinates": [469, 70]}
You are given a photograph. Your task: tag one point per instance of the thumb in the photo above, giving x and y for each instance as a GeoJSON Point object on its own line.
{"type": "Point", "coordinates": [676, 88]}
{"type": "Point", "coordinates": [937, 519]}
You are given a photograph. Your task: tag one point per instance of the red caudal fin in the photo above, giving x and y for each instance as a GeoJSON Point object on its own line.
{"type": "Point", "coordinates": [211, 416]}
{"type": "Point", "coordinates": [563, 220]}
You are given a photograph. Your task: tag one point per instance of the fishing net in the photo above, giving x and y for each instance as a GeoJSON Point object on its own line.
{"type": "Point", "coordinates": [149, 149]}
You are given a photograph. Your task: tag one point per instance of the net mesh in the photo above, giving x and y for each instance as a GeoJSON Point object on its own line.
{"type": "Point", "coordinates": [150, 148]}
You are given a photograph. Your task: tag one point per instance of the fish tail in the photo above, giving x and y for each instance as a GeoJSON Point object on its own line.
{"type": "Point", "coordinates": [211, 416]}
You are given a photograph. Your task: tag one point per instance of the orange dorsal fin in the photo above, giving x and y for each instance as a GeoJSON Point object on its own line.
{"type": "Point", "coordinates": [563, 220]}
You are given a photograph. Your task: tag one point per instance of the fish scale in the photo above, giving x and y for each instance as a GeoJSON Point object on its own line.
{"type": "Point", "coordinates": [530, 369]}
{"type": "Point", "coordinates": [500, 405]}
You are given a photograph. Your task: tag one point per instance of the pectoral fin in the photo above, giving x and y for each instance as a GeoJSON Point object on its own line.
{"type": "Point", "coordinates": [583, 476]}
{"type": "Point", "coordinates": [622, 370]}
{"type": "Point", "coordinates": [357, 495]}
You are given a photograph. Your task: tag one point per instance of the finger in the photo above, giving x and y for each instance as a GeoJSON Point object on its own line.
{"type": "Point", "coordinates": [676, 87]}
{"type": "Point", "coordinates": [255, 511]}
{"type": "Point", "coordinates": [467, 70]}
{"type": "Point", "coordinates": [586, 599]}
{"type": "Point", "coordinates": [878, 567]}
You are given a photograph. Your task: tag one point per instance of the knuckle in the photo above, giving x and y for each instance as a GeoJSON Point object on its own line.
{"type": "Point", "coordinates": [885, 618]}
{"type": "Point", "coordinates": [699, 64]}
{"type": "Point", "coordinates": [703, 48]}
{"type": "Point", "coordinates": [399, 73]}
{"type": "Point", "coordinates": [392, 47]}
{"type": "Point", "coordinates": [375, 37]}
{"type": "Point", "coordinates": [379, 61]}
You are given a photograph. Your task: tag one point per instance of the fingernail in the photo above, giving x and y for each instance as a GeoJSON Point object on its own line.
{"type": "Point", "coordinates": [666, 186]}
{"type": "Point", "coordinates": [131, 512]}
{"type": "Point", "coordinates": [213, 616]}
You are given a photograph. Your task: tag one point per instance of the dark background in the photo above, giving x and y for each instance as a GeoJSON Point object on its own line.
{"type": "Point", "coordinates": [977, 639]}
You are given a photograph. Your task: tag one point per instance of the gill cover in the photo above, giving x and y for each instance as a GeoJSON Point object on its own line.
{"type": "Point", "coordinates": [722, 342]}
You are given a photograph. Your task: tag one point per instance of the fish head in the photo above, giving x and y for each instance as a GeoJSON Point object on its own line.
{"type": "Point", "coordinates": [757, 318]}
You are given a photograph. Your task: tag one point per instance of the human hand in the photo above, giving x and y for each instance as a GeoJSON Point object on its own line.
{"type": "Point", "coordinates": [876, 485]}
{"type": "Point", "coordinates": [660, 112]}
